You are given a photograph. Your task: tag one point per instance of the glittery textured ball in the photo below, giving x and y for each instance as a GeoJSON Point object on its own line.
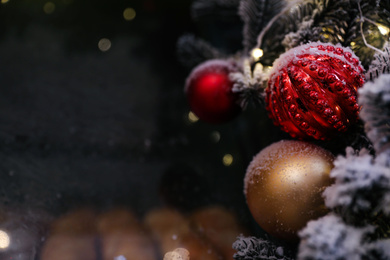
{"type": "Point", "coordinates": [284, 185]}
{"type": "Point", "coordinates": [209, 92]}
{"type": "Point", "coordinates": [312, 90]}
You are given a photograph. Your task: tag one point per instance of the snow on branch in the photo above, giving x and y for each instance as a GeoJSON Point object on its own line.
{"type": "Point", "coordinates": [380, 64]}
{"type": "Point", "coordinates": [329, 238]}
{"type": "Point", "coordinates": [379, 250]}
{"type": "Point", "coordinates": [250, 84]}
{"type": "Point", "coordinates": [362, 186]}
{"type": "Point", "coordinates": [375, 100]}
{"type": "Point", "coordinates": [304, 34]}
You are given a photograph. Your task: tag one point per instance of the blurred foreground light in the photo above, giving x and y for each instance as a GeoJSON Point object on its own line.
{"type": "Point", "coordinates": [129, 14]}
{"type": "Point", "coordinates": [257, 53]}
{"type": "Point", "coordinates": [215, 136]}
{"type": "Point", "coordinates": [49, 8]}
{"type": "Point", "coordinates": [383, 29]}
{"type": "Point", "coordinates": [104, 44]}
{"type": "Point", "coordinates": [177, 254]}
{"type": "Point", "coordinates": [227, 159]}
{"type": "Point", "coordinates": [4, 1]}
{"type": "Point", "coordinates": [4, 240]}
{"type": "Point", "coordinates": [192, 117]}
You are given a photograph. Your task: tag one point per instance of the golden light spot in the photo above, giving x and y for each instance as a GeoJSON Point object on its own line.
{"type": "Point", "coordinates": [104, 44]}
{"type": "Point", "coordinates": [227, 159]}
{"type": "Point", "coordinates": [383, 29]}
{"type": "Point", "coordinates": [49, 7]}
{"type": "Point", "coordinates": [257, 53]}
{"type": "Point", "coordinates": [192, 117]}
{"type": "Point", "coordinates": [4, 1]}
{"type": "Point", "coordinates": [129, 14]}
{"type": "Point", "coordinates": [4, 240]}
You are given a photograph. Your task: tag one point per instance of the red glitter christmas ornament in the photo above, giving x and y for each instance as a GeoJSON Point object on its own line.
{"type": "Point", "coordinates": [209, 92]}
{"type": "Point", "coordinates": [312, 90]}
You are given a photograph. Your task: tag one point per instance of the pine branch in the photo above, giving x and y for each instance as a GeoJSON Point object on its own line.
{"type": "Point", "coordinates": [299, 25]}
{"type": "Point", "coordinates": [256, 14]}
{"type": "Point", "coordinates": [361, 188]}
{"type": "Point", "coordinates": [192, 51]}
{"type": "Point", "coordinates": [380, 64]}
{"type": "Point", "coordinates": [252, 248]}
{"type": "Point", "coordinates": [369, 20]}
{"type": "Point", "coordinates": [250, 84]}
{"type": "Point", "coordinates": [335, 21]}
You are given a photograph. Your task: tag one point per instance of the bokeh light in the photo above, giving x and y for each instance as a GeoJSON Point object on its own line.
{"type": "Point", "coordinates": [227, 159]}
{"type": "Point", "coordinates": [257, 53]}
{"type": "Point", "coordinates": [104, 44]}
{"type": "Point", "coordinates": [215, 136]}
{"type": "Point", "coordinates": [129, 14]}
{"type": "Point", "coordinates": [383, 29]}
{"type": "Point", "coordinates": [192, 117]}
{"type": "Point", "coordinates": [49, 7]}
{"type": "Point", "coordinates": [4, 240]}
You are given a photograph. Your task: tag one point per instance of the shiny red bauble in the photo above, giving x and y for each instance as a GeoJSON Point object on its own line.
{"type": "Point", "coordinates": [312, 90]}
{"type": "Point", "coordinates": [209, 92]}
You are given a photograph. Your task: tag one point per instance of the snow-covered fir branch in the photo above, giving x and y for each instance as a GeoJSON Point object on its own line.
{"type": "Point", "coordinates": [378, 250]}
{"type": "Point", "coordinates": [312, 20]}
{"type": "Point", "coordinates": [252, 248]}
{"type": "Point", "coordinates": [361, 188]}
{"type": "Point", "coordinates": [380, 64]}
{"type": "Point", "coordinates": [305, 33]}
{"type": "Point", "coordinates": [192, 51]}
{"type": "Point", "coordinates": [375, 100]}
{"type": "Point", "coordinates": [250, 84]}
{"type": "Point", "coordinates": [329, 238]}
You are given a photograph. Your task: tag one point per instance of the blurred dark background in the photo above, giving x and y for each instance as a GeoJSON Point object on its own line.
{"type": "Point", "coordinates": [92, 109]}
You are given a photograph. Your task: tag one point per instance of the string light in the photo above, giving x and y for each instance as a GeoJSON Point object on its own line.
{"type": "Point", "coordinates": [383, 29]}
{"type": "Point", "coordinates": [257, 53]}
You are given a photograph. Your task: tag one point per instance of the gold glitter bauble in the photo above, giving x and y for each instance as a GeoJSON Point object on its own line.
{"type": "Point", "coordinates": [284, 185]}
